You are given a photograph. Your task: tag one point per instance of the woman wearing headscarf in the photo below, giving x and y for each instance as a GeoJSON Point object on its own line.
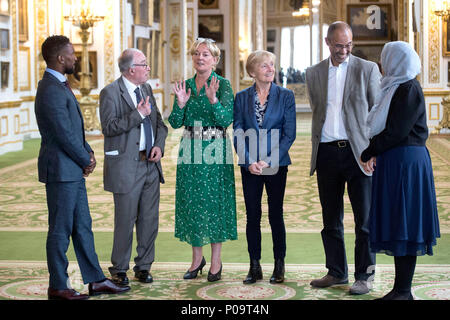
{"type": "Point", "coordinates": [403, 216]}
{"type": "Point", "coordinates": [264, 130]}
{"type": "Point", "coordinates": [205, 205]}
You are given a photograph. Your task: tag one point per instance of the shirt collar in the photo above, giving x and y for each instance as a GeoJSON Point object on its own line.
{"type": "Point", "coordinates": [58, 75]}
{"type": "Point", "coordinates": [330, 63]}
{"type": "Point", "coordinates": [129, 85]}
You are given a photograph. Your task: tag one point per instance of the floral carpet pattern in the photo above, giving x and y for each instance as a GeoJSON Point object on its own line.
{"type": "Point", "coordinates": [23, 208]}
{"type": "Point", "coordinates": [29, 280]}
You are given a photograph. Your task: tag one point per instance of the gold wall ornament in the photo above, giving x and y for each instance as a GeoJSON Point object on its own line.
{"type": "Point", "coordinates": [433, 46]}
{"type": "Point", "coordinates": [13, 8]}
{"type": "Point", "coordinates": [445, 122]}
{"type": "Point", "coordinates": [84, 16]}
{"type": "Point", "coordinates": [109, 59]}
{"type": "Point", "coordinates": [441, 9]}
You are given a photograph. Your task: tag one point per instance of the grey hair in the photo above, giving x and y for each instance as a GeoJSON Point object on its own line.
{"type": "Point", "coordinates": [126, 59]}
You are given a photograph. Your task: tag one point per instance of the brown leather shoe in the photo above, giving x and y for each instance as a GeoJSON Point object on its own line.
{"type": "Point", "coordinates": [66, 294]}
{"type": "Point", "coordinates": [327, 281]}
{"type": "Point", "coordinates": [106, 287]}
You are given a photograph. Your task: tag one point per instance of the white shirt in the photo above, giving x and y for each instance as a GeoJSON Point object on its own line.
{"type": "Point", "coordinates": [333, 128]}
{"type": "Point", "coordinates": [131, 87]}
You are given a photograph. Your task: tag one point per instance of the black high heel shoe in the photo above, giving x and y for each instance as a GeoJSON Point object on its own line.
{"type": "Point", "coordinates": [215, 276]}
{"type": "Point", "coordinates": [193, 274]}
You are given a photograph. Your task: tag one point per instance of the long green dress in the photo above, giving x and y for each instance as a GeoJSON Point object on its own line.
{"type": "Point", "coordinates": [205, 198]}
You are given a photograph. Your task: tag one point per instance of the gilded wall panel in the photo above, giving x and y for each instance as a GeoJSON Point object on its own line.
{"type": "Point", "coordinates": [109, 42]}
{"type": "Point", "coordinates": [433, 45]}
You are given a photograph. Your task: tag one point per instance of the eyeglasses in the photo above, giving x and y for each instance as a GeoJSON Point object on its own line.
{"type": "Point", "coordinates": [348, 46]}
{"type": "Point", "coordinates": [140, 65]}
{"type": "Point", "coordinates": [206, 40]}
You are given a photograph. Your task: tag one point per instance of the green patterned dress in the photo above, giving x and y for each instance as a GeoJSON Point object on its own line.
{"type": "Point", "coordinates": [205, 199]}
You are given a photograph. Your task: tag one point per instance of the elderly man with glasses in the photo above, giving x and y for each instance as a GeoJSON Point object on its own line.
{"type": "Point", "coordinates": [134, 145]}
{"type": "Point", "coordinates": [342, 90]}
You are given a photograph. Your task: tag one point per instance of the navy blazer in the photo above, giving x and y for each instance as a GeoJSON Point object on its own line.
{"type": "Point", "coordinates": [64, 151]}
{"type": "Point", "coordinates": [280, 115]}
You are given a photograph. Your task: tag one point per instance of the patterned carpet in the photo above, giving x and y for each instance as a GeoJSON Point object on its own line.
{"type": "Point", "coordinates": [23, 208]}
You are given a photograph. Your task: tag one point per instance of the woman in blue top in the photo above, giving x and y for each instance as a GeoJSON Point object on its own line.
{"type": "Point", "coordinates": [264, 130]}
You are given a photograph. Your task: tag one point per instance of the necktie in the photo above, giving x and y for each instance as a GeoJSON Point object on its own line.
{"type": "Point", "coordinates": [147, 126]}
{"type": "Point", "coordinates": [66, 84]}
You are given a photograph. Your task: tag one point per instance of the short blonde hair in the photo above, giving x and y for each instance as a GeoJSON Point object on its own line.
{"type": "Point", "coordinates": [210, 44]}
{"type": "Point", "coordinates": [256, 57]}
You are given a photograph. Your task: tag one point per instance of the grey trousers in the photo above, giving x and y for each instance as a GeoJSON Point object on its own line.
{"type": "Point", "coordinates": [139, 207]}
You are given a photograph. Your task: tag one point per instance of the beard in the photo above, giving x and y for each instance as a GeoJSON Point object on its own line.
{"type": "Point", "coordinates": [69, 70]}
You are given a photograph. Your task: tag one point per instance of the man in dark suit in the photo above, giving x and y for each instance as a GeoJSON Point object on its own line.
{"type": "Point", "coordinates": [134, 145]}
{"type": "Point", "coordinates": [65, 159]}
{"type": "Point", "coordinates": [342, 89]}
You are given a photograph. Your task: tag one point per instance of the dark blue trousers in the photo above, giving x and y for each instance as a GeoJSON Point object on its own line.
{"type": "Point", "coordinates": [337, 166]}
{"type": "Point", "coordinates": [253, 186]}
{"type": "Point", "coordinates": [69, 216]}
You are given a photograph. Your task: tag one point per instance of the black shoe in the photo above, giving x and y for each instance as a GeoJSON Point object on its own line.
{"type": "Point", "coordinates": [193, 274]}
{"type": "Point", "coordinates": [255, 272]}
{"type": "Point", "coordinates": [278, 272]}
{"type": "Point", "coordinates": [120, 278]}
{"type": "Point", "coordinates": [144, 276]}
{"type": "Point", "coordinates": [394, 295]}
{"type": "Point", "coordinates": [215, 276]}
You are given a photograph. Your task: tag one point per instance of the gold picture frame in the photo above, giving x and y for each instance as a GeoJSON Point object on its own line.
{"type": "Point", "coordinates": [143, 12]}
{"type": "Point", "coordinates": [23, 20]}
{"type": "Point", "coordinates": [208, 4]}
{"type": "Point", "coordinates": [4, 39]}
{"type": "Point", "coordinates": [211, 26]}
{"type": "Point", "coordinates": [75, 79]}
{"type": "Point", "coordinates": [357, 19]}
{"type": "Point", "coordinates": [4, 74]}
{"type": "Point", "coordinates": [24, 67]}
{"type": "Point", "coordinates": [155, 54]}
{"type": "Point", "coordinates": [145, 45]}
{"type": "Point", "coordinates": [445, 39]}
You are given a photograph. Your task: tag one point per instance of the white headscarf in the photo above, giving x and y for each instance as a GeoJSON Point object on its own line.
{"type": "Point", "coordinates": [400, 63]}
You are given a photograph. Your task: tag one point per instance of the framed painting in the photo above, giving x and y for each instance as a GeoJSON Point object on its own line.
{"type": "Point", "coordinates": [145, 45]}
{"type": "Point", "coordinates": [370, 22]}
{"type": "Point", "coordinates": [371, 52]}
{"type": "Point", "coordinates": [208, 4]}
{"type": "Point", "coordinates": [143, 12]}
{"type": "Point", "coordinates": [4, 7]}
{"type": "Point", "coordinates": [4, 39]}
{"type": "Point", "coordinates": [75, 78]}
{"type": "Point", "coordinates": [157, 11]}
{"type": "Point", "coordinates": [23, 20]}
{"type": "Point", "coordinates": [445, 38]}
{"type": "Point", "coordinates": [155, 54]}
{"type": "Point", "coordinates": [4, 74]}
{"type": "Point", "coordinates": [211, 26]}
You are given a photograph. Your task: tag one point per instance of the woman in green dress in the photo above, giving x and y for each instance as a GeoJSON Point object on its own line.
{"type": "Point", "coordinates": [205, 205]}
